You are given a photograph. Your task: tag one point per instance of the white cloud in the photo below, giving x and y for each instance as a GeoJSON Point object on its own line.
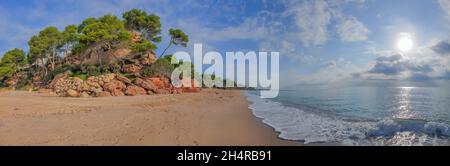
{"type": "Point", "coordinates": [315, 18]}
{"type": "Point", "coordinates": [445, 5]}
{"type": "Point", "coordinates": [423, 63]}
{"type": "Point", "coordinates": [351, 29]}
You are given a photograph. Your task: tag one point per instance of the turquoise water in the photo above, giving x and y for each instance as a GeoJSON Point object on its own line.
{"type": "Point", "coordinates": [370, 113]}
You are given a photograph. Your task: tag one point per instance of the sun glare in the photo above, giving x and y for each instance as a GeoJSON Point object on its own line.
{"type": "Point", "coordinates": [405, 42]}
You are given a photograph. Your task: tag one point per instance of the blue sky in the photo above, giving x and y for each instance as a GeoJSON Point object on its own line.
{"type": "Point", "coordinates": [319, 41]}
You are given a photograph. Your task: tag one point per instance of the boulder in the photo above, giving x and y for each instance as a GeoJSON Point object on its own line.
{"type": "Point", "coordinates": [117, 92]}
{"type": "Point", "coordinates": [123, 79]}
{"type": "Point", "coordinates": [85, 87]}
{"type": "Point", "coordinates": [148, 85]}
{"type": "Point", "coordinates": [134, 90]}
{"type": "Point", "coordinates": [93, 82]}
{"type": "Point", "coordinates": [107, 78]}
{"type": "Point", "coordinates": [84, 95]}
{"type": "Point", "coordinates": [58, 78]}
{"type": "Point", "coordinates": [161, 83]}
{"type": "Point", "coordinates": [63, 86]}
{"type": "Point", "coordinates": [102, 94]}
{"type": "Point", "coordinates": [132, 68]}
{"type": "Point", "coordinates": [115, 87]}
{"type": "Point", "coordinates": [72, 93]}
{"type": "Point", "coordinates": [96, 90]}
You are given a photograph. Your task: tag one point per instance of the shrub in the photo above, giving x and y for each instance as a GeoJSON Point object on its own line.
{"type": "Point", "coordinates": [59, 70]}
{"type": "Point", "coordinates": [115, 68]}
{"type": "Point", "coordinates": [84, 77]}
{"type": "Point", "coordinates": [162, 67]}
{"type": "Point", "coordinates": [142, 47]}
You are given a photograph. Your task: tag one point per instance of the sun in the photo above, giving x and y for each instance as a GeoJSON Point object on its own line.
{"type": "Point", "coordinates": [405, 42]}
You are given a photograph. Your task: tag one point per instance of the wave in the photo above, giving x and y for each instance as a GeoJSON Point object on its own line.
{"type": "Point", "coordinates": [309, 127]}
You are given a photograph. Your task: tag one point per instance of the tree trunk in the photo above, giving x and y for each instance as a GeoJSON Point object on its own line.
{"type": "Point", "coordinates": [170, 44]}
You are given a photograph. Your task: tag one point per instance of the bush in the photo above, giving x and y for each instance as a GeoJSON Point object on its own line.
{"type": "Point", "coordinates": [59, 70]}
{"type": "Point", "coordinates": [115, 68]}
{"type": "Point", "coordinates": [142, 47]}
{"type": "Point", "coordinates": [84, 77]}
{"type": "Point", "coordinates": [94, 70]}
{"type": "Point", "coordinates": [162, 67]}
{"type": "Point", "coordinates": [25, 83]}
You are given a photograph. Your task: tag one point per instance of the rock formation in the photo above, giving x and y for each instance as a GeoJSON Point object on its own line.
{"type": "Point", "coordinates": [112, 85]}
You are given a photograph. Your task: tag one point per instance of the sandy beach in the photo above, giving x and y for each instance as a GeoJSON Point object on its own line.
{"type": "Point", "coordinates": [212, 117]}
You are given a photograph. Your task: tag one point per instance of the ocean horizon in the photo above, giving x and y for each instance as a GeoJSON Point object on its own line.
{"type": "Point", "coordinates": [370, 113]}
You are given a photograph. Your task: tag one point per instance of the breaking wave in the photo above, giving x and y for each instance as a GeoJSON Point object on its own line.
{"type": "Point", "coordinates": [310, 127]}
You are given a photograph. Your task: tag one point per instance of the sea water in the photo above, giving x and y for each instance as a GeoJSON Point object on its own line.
{"type": "Point", "coordinates": [374, 113]}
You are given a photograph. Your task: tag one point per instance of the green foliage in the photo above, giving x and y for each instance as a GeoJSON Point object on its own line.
{"type": "Point", "coordinates": [148, 24]}
{"type": "Point", "coordinates": [115, 68]}
{"type": "Point", "coordinates": [70, 34]}
{"type": "Point", "coordinates": [15, 57]}
{"type": "Point", "coordinates": [107, 31]}
{"type": "Point", "coordinates": [162, 67]}
{"type": "Point", "coordinates": [178, 37]}
{"type": "Point", "coordinates": [143, 46]}
{"type": "Point", "coordinates": [84, 70]}
{"type": "Point", "coordinates": [59, 70]}
{"type": "Point", "coordinates": [51, 36]}
{"type": "Point", "coordinates": [11, 62]}
{"type": "Point", "coordinates": [84, 77]}
{"type": "Point", "coordinates": [37, 49]}
{"type": "Point", "coordinates": [107, 28]}
{"type": "Point", "coordinates": [45, 43]}
{"type": "Point", "coordinates": [5, 72]}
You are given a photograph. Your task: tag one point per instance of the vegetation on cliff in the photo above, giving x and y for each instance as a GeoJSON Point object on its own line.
{"type": "Point", "coordinates": [95, 47]}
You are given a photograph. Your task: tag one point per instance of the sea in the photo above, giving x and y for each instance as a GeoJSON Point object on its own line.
{"type": "Point", "coordinates": [375, 113]}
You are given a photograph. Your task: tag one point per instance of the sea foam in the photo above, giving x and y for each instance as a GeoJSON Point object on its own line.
{"type": "Point", "coordinates": [309, 127]}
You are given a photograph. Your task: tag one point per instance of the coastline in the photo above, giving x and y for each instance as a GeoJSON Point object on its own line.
{"type": "Point", "coordinates": [212, 117]}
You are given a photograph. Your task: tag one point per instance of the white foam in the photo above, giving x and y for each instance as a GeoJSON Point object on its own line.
{"type": "Point", "coordinates": [299, 125]}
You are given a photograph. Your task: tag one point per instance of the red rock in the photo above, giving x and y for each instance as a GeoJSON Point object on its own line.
{"type": "Point", "coordinates": [157, 82]}
{"type": "Point", "coordinates": [133, 90]}
{"type": "Point", "coordinates": [114, 86]}
{"type": "Point", "coordinates": [148, 85]}
{"type": "Point", "coordinates": [117, 92]}
{"type": "Point", "coordinates": [132, 68]}
{"type": "Point", "coordinates": [123, 79]}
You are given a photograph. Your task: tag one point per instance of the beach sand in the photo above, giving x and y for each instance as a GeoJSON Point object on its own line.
{"type": "Point", "coordinates": [212, 117]}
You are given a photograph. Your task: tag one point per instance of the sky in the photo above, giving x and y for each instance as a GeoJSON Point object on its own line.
{"type": "Point", "coordinates": [320, 41]}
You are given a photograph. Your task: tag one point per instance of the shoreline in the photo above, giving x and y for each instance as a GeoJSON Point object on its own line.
{"type": "Point", "coordinates": [212, 117]}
